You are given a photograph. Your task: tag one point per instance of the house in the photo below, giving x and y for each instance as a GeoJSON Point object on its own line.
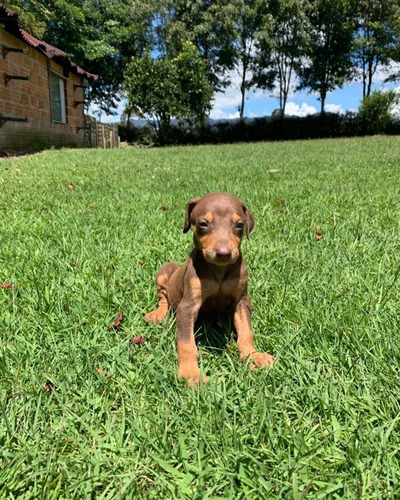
{"type": "Point", "coordinates": [41, 92]}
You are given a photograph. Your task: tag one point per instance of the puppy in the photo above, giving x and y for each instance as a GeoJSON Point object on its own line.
{"type": "Point", "coordinates": [212, 279]}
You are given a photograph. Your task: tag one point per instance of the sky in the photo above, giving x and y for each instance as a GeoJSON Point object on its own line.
{"type": "Point", "coordinates": [300, 103]}
{"type": "Point", "coordinates": [262, 103]}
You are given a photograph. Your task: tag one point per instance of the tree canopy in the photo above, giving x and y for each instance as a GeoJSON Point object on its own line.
{"type": "Point", "coordinates": [167, 87]}
{"type": "Point", "coordinates": [317, 45]}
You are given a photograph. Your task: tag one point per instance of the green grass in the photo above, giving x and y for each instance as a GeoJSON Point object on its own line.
{"type": "Point", "coordinates": [85, 413]}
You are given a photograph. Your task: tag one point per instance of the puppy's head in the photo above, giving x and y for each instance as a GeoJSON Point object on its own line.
{"type": "Point", "coordinates": [219, 221]}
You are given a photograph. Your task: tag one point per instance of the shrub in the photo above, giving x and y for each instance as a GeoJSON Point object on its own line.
{"type": "Point", "coordinates": [375, 111]}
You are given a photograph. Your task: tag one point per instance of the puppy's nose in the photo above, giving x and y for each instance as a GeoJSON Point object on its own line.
{"type": "Point", "coordinates": [223, 253]}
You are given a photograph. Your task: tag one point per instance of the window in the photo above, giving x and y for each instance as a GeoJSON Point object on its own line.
{"type": "Point", "coordinates": [57, 99]}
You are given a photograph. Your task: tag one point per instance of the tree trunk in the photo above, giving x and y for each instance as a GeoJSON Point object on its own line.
{"type": "Point", "coordinates": [163, 133]}
{"type": "Point", "coordinates": [323, 99]}
{"type": "Point", "coordinates": [243, 91]}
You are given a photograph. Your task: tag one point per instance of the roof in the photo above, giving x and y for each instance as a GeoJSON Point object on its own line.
{"type": "Point", "coordinates": [9, 20]}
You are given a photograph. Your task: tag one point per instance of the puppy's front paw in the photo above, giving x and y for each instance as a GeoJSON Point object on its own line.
{"type": "Point", "coordinates": [260, 359]}
{"type": "Point", "coordinates": [193, 376]}
{"type": "Point", "coordinates": [156, 316]}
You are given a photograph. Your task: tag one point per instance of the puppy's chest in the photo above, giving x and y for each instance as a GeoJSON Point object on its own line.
{"type": "Point", "coordinates": [218, 295]}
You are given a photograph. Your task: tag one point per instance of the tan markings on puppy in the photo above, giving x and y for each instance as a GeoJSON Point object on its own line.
{"type": "Point", "coordinates": [207, 240]}
{"type": "Point", "coordinates": [208, 217]}
{"type": "Point", "coordinates": [187, 358]}
{"type": "Point", "coordinates": [195, 289]}
{"type": "Point", "coordinates": [159, 314]}
{"type": "Point", "coordinates": [260, 359]}
{"type": "Point", "coordinates": [235, 242]}
{"type": "Point", "coordinates": [236, 218]}
{"type": "Point", "coordinates": [188, 363]}
{"type": "Point", "coordinates": [245, 340]}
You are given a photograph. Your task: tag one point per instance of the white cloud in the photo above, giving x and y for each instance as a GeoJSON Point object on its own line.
{"type": "Point", "coordinates": [225, 104]}
{"type": "Point", "coordinates": [220, 114]}
{"type": "Point", "coordinates": [293, 109]}
{"type": "Point", "coordinates": [334, 108]}
{"type": "Point", "coordinates": [230, 99]}
{"type": "Point", "coordinates": [382, 72]}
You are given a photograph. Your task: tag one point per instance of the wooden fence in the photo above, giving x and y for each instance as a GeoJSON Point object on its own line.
{"type": "Point", "coordinates": [100, 135]}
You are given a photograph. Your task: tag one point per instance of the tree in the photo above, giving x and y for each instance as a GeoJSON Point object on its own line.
{"type": "Point", "coordinates": [99, 35]}
{"type": "Point", "coordinates": [394, 22]}
{"type": "Point", "coordinates": [289, 43]}
{"type": "Point", "coordinates": [166, 87]}
{"type": "Point", "coordinates": [374, 39]}
{"type": "Point", "coordinates": [207, 24]}
{"type": "Point", "coordinates": [27, 18]}
{"type": "Point", "coordinates": [329, 63]}
{"type": "Point", "coordinates": [251, 20]}
{"type": "Point", "coordinates": [375, 110]}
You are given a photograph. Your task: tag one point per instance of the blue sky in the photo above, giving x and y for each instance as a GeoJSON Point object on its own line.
{"type": "Point", "coordinates": [261, 103]}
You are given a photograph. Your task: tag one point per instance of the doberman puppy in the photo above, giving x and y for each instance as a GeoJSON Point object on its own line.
{"type": "Point", "coordinates": [213, 278]}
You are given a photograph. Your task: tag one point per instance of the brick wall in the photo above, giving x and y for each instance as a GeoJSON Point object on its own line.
{"type": "Point", "coordinates": [31, 99]}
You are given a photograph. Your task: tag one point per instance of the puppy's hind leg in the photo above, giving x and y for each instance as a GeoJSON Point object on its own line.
{"type": "Point", "coordinates": [163, 275]}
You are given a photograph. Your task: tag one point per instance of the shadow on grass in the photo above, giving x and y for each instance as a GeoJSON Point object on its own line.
{"type": "Point", "coordinates": [215, 332]}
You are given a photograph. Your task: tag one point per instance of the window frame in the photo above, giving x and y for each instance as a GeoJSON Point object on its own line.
{"type": "Point", "coordinates": [58, 103]}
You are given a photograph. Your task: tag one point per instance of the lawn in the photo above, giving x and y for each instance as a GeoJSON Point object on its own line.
{"type": "Point", "coordinates": [89, 412]}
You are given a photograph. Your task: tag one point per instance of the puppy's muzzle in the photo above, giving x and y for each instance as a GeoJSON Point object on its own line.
{"type": "Point", "coordinates": [221, 255]}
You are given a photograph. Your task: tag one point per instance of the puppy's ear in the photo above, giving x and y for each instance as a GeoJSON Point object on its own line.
{"type": "Point", "coordinates": [189, 208]}
{"type": "Point", "coordinates": [249, 221]}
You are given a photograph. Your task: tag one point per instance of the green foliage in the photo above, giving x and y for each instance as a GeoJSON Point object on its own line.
{"type": "Point", "coordinates": [208, 25]}
{"type": "Point", "coordinates": [329, 52]}
{"type": "Point", "coordinates": [375, 110]}
{"type": "Point", "coordinates": [99, 35]}
{"type": "Point", "coordinates": [251, 30]}
{"type": "Point", "coordinates": [85, 413]}
{"type": "Point", "coordinates": [272, 128]}
{"type": "Point", "coordinates": [375, 38]}
{"type": "Point", "coordinates": [163, 88]}
{"type": "Point", "coordinates": [288, 44]}
{"type": "Point", "coordinates": [325, 42]}
{"type": "Point", "coordinates": [30, 16]}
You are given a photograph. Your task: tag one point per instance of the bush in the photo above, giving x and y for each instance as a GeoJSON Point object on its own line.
{"type": "Point", "coordinates": [374, 114]}
{"type": "Point", "coordinates": [137, 135]}
{"type": "Point", "coordinates": [370, 120]}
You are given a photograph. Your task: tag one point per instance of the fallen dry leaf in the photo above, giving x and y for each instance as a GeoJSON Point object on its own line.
{"type": "Point", "coordinates": [116, 326]}
{"type": "Point", "coordinates": [7, 285]}
{"type": "Point", "coordinates": [281, 202]}
{"type": "Point", "coordinates": [99, 371]}
{"type": "Point", "coordinates": [138, 340]}
{"type": "Point", "coordinates": [70, 186]}
{"type": "Point", "coordinates": [49, 386]}
{"type": "Point", "coordinates": [318, 234]}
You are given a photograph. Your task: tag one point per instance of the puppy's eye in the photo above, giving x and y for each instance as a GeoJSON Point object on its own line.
{"type": "Point", "coordinates": [239, 226]}
{"type": "Point", "coordinates": [202, 225]}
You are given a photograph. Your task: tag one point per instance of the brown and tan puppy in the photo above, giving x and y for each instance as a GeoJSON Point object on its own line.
{"type": "Point", "coordinates": [213, 278]}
